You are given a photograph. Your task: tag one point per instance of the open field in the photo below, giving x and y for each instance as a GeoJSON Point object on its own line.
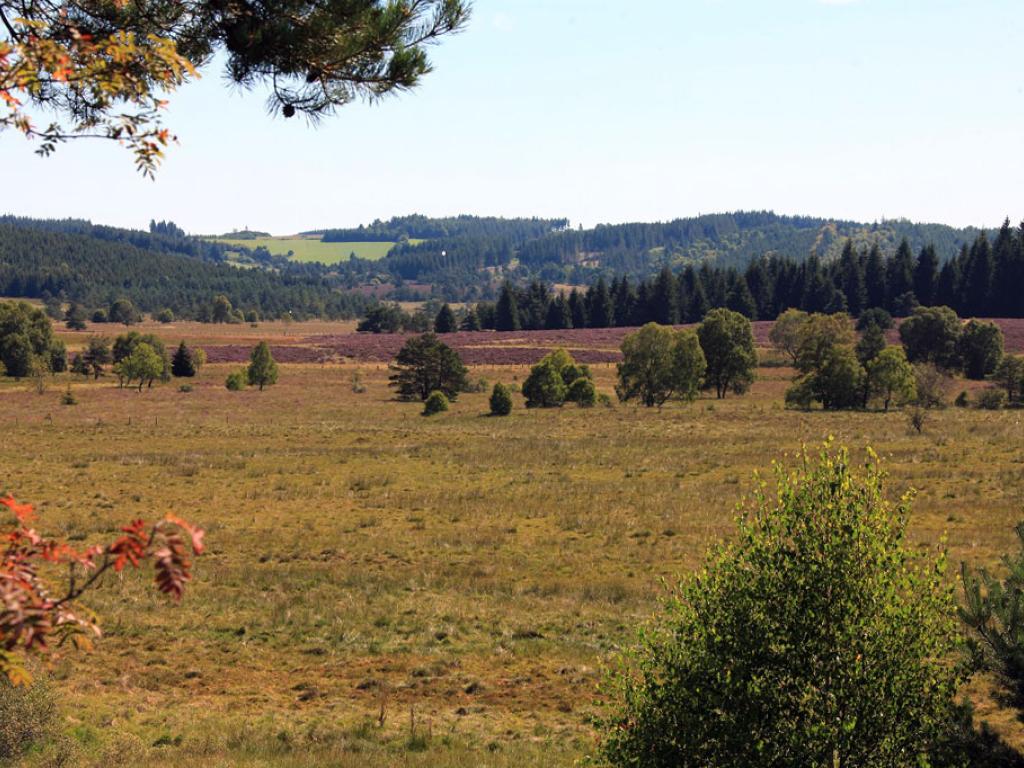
{"type": "Point", "coordinates": [383, 589]}
{"type": "Point", "coordinates": [307, 249]}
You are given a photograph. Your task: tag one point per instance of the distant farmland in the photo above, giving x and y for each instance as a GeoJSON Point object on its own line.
{"type": "Point", "coordinates": [306, 250]}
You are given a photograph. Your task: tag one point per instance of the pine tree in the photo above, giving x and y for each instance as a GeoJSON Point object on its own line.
{"type": "Point", "coordinates": [739, 298]}
{"type": "Point", "coordinates": [182, 364]}
{"type": "Point", "coordinates": [851, 278]}
{"type": "Point", "coordinates": [600, 307]}
{"type": "Point", "coordinates": [947, 288]}
{"type": "Point", "coordinates": [625, 300]}
{"type": "Point", "coordinates": [900, 274]}
{"type": "Point", "coordinates": [471, 322]}
{"type": "Point", "coordinates": [578, 306]}
{"type": "Point", "coordinates": [262, 369]}
{"type": "Point", "coordinates": [559, 314]}
{"type": "Point", "coordinates": [663, 299]}
{"type": "Point", "coordinates": [875, 278]}
{"type": "Point", "coordinates": [445, 320]}
{"type": "Point", "coordinates": [978, 277]}
{"type": "Point", "coordinates": [506, 313]}
{"type": "Point", "coordinates": [926, 275]}
{"type": "Point", "coordinates": [1006, 285]}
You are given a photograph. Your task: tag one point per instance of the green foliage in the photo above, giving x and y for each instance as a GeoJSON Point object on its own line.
{"type": "Point", "coordinates": [836, 379]}
{"type": "Point", "coordinates": [165, 315]}
{"type": "Point", "coordinates": [582, 392]}
{"type": "Point", "coordinates": [501, 400]}
{"type": "Point", "coordinates": [544, 387]}
{"type": "Point", "coordinates": [728, 344]}
{"type": "Point", "coordinates": [436, 402]}
{"type": "Point", "coordinates": [659, 363]}
{"type": "Point", "coordinates": [262, 370]}
{"type": "Point", "coordinates": [236, 381]}
{"type": "Point", "coordinates": [182, 363]}
{"type": "Point", "coordinates": [28, 714]}
{"type": "Point", "coordinates": [425, 364]}
{"type": "Point", "coordinates": [932, 385]}
{"type": "Point", "coordinates": [871, 343]}
{"type": "Point", "coordinates": [874, 316]}
{"type": "Point", "coordinates": [143, 363]}
{"type": "Point", "coordinates": [932, 335]}
{"type": "Point", "coordinates": [819, 637]}
{"type": "Point", "coordinates": [75, 317]}
{"type": "Point", "coordinates": [123, 311]}
{"type": "Point", "coordinates": [68, 398]}
{"type": "Point", "coordinates": [445, 321]}
{"type": "Point", "coordinates": [891, 377]}
{"type": "Point", "coordinates": [787, 333]}
{"type": "Point", "coordinates": [980, 348]}
{"type": "Point", "coordinates": [25, 334]}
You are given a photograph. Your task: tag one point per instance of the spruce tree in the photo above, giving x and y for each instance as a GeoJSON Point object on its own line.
{"type": "Point", "coordinates": [578, 307]}
{"type": "Point", "coordinates": [926, 275]}
{"type": "Point", "coordinates": [851, 279]}
{"type": "Point", "coordinates": [559, 314]}
{"type": "Point", "coordinates": [978, 278]}
{"type": "Point", "coordinates": [182, 363]}
{"type": "Point", "coordinates": [445, 320]}
{"type": "Point", "coordinates": [506, 313]}
{"type": "Point", "coordinates": [262, 370]}
{"type": "Point", "coordinates": [664, 300]}
{"type": "Point", "coordinates": [875, 278]}
{"type": "Point", "coordinates": [600, 307]}
{"type": "Point", "coordinates": [900, 274]}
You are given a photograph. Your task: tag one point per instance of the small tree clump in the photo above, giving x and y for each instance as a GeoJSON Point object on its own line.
{"type": "Point", "coordinates": [992, 399]}
{"type": "Point", "coordinates": [501, 400]}
{"type": "Point", "coordinates": [980, 348]}
{"type": "Point", "coordinates": [544, 387]}
{"type": "Point", "coordinates": [819, 637]}
{"type": "Point", "coordinates": [436, 402]}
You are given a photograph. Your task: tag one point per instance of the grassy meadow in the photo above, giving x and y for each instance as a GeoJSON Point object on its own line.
{"type": "Point", "coordinates": [306, 249]}
{"type": "Point", "coordinates": [389, 590]}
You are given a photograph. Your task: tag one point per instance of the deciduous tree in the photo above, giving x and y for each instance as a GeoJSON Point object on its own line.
{"type": "Point", "coordinates": [728, 344]}
{"type": "Point", "coordinates": [262, 370]}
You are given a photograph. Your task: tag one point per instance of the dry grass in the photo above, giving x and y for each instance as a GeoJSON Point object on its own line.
{"type": "Point", "coordinates": [466, 576]}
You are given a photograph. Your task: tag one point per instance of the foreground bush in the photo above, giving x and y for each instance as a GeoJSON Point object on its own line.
{"type": "Point", "coordinates": [817, 638]}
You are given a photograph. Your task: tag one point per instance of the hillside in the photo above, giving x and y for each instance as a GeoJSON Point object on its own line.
{"type": "Point", "coordinates": [77, 261]}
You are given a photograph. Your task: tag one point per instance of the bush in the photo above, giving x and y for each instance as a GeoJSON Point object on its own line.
{"type": "Point", "coordinates": [582, 393]}
{"type": "Point", "coordinates": [605, 400]}
{"type": "Point", "coordinates": [544, 387]}
{"type": "Point", "coordinates": [992, 399]}
{"type": "Point", "coordinates": [501, 400]}
{"type": "Point", "coordinates": [185, 388]}
{"type": "Point", "coordinates": [437, 402]}
{"type": "Point", "coordinates": [27, 715]}
{"type": "Point", "coordinates": [68, 398]}
{"type": "Point", "coordinates": [821, 637]}
{"type": "Point", "coordinates": [236, 381]}
{"type": "Point", "coordinates": [962, 400]}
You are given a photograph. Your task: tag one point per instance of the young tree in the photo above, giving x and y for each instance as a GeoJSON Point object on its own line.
{"type": "Point", "coordinates": [221, 310]}
{"type": "Point", "coordinates": [545, 387]}
{"type": "Point", "coordinates": [471, 322]}
{"type": "Point", "coordinates": [75, 317]}
{"type": "Point", "coordinates": [40, 612]}
{"type": "Point", "coordinates": [165, 316]}
{"type": "Point", "coordinates": [97, 354]}
{"type": "Point", "coordinates": [659, 363]}
{"type": "Point", "coordinates": [425, 364]}
{"type": "Point", "coordinates": [182, 363]}
{"type": "Point", "coordinates": [892, 377]}
{"type": "Point", "coordinates": [262, 370]}
{"type": "Point", "coordinates": [871, 343]}
{"type": "Point", "coordinates": [728, 344]}
{"type": "Point", "coordinates": [819, 637]}
{"type": "Point", "coordinates": [787, 333]}
{"type": "Point", "coordinates": [980, 348]}
{"type": "Point", "coordinates": [123, 311]}
{"type": "Point", "coordinates": [501, 400]}
{"type": "Point", "coordinates": [445, 320]}
{"type": "Point", "coordinates": [104, 70]}
{"type": "Point", "coordinates": [435, 403]}
{"type": "Point", "coordinates": [143, 363]}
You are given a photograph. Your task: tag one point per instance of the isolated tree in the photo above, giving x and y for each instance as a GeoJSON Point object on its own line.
{"type": "Point", "coordinates": [97, 354]}
{"type": "Point", "coordinates": [144, 364]}
{"type": "Point", "coordinates": [182, 363]}
{"type": "Point", "coordinates": [892, 377]}
{"type": "Point", "coordinates": [980, 348]}
{"type": "Point", "coordinates": [659, 363]}
{"type": "Point", "coordinates": [262, 370]}
{"type": "Point", "coordinates": [40, 612]}
{"type": "Point", "coordinates": [445, 321]}
{"type": "Point", "coordinates": [506, 312]}
{"type": "Point", "coordinates": [501, 400]}
{"type": "Point", "coordinates": [1010, 376]}
{"type": "Point", "coordinates": [932, 386]}
{"type": "Point", "coordinates": [75, 317]}
{"type": "Point", "coordinates": [932, 335]}
{"type": "Point", "coordinates": [728, 344]}
{"type": "Point", "coordinates": [165, 316]}
{"type": "Point", "coordinates": [787, 333]}
{"type": "Point", "coordinates": [104, 69]}
{"type": "Point", "coordinates": [425, 364]}
{"type": "Point", "coordinates": [819, 637]}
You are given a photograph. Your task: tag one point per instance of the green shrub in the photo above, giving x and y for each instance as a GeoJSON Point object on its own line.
{"type": "Point", "coordinates": [992, 399]}
{"type": "Point", "coordinates": [962, 400]}
{"type": "Point", "coordinates": [28, 714]}
{"type": "Point", "coordinates": [544, 387]}
{"type": "Point", "coordinates": [501, 400]}
{"type": "Point", "coordinates": [236, 381]}
{"type": "Point", "coordinates": [605, 400]}
{"type": "Point", "coordinates": [819, 637]}
{"type": "Point", "coordinates": [68, 398]}
{"type": "Point", "coordinates": [582, 393]}
{"type": "Point", "coordinates": [185, 388]}
{"type": "Point", "coordinates": [436, 403]}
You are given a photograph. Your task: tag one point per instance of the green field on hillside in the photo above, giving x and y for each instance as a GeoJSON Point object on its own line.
{"type": "Point", "coordinates": [306, 250]}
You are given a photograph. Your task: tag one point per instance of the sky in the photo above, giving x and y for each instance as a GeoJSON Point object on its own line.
{"type": "Point", "coordinates": [604, 112]}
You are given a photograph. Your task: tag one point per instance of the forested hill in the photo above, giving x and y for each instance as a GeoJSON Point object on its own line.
{"type": "Point", "coordinates": [76, 261]}
{"type": "Point", "coordinates": [467, 257]}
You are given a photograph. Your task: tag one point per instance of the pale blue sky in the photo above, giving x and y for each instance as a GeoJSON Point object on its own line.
{"type": "Point", "coordinates": [606, 111]}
